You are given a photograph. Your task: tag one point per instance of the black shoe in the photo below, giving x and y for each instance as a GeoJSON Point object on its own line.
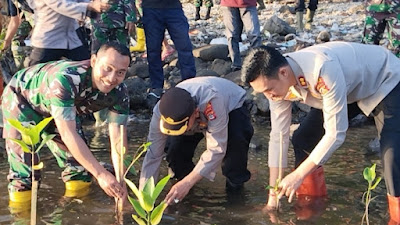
{"type": "Point", "coordinates": [232, 187]}
{"type": "Point", "coordinates": [208, 15]}
{"type": "Point", "coordinates": [153, 96]}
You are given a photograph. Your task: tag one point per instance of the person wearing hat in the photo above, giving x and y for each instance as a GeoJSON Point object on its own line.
{"type": "Point", "coordinates": [327, 77]}
{"type": "Point", "coordinates": [209, 107]}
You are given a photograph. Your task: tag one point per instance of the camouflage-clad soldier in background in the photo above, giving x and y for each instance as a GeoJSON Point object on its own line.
{"type": "Point", "coordinates": [65, 90]}
{"type": "Point", "coordinates": [115, 24]}
{"type": "Point", "coordinates": [382, 14]}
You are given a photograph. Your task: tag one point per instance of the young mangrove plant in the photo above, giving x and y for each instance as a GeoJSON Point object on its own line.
{"type": "Point", "coordinates": [30, 139]}
{"type": "Point", "coordinates": [147, 214]}
{"type": "Point", "coordinates": [275, 188]}
{"type": "Point", "coordinates": [369, 175]}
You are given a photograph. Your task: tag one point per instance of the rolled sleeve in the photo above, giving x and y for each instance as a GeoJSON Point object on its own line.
{"type": "Point", "coordinates": [334, 111]}
{"type": "Point", "coordinates": [281, 117]}
{"type": "Point", "coordinates": [155, 153]}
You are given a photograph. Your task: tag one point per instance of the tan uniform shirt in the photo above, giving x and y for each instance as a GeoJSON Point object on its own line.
{"type": "Point", "coordinates": [216, 98]}
{"type": "Point", "coordinates": [329, 76]}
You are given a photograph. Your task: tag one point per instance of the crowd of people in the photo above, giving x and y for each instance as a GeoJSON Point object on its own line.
{"type": "Point", "coordinates": [66, 78]}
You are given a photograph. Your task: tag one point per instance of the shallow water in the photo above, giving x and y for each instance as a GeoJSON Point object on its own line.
{"type": "Point", "coordinates": [208, 202]}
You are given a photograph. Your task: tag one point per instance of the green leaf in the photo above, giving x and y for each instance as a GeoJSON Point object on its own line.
{"type": "Point", "coordinates": [41, 125]}
{"type": "Point", "coordinates": [25, 132]}
{"type": "Point", "coordinates": [138, 220]}
{"type": "Point", "coordinates": [269, 187]}
{"type": "Point", "coordinates": [23, 145]}
{"type": "Point", "coordinates": [136, 205]}
{"type": "Point", "coordinates": [148, 202]}
{"type": "Point", "coordinates": [160, 186]}
{"type": "Point", "coordinates": [134, 189]}
{"type": "Point", "coordinates": [149, 186]}
{"type": "Point", "coordinates": [376, 183]}
{"type": "Point", "coordinates": [127, 161]}
{"type": "Point", "coordinates": [157, 213]}
{"type": "Point", "coordinates": [367, 174]}
{"type": "Point", "coordinates": [47, 137]}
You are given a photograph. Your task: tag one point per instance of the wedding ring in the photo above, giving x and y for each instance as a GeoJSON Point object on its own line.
{"type": "Point", "coordinates": [176, 201]}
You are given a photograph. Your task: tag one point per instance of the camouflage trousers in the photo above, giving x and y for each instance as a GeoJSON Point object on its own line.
{"type": "Point", "coordinates": [378, 18]}
{"type": "Point", "coordinates": [102, 35]}
{"type": "Point", "coordinates": [20, 173]}
{"type": "Point", "coordinates": [207, 3]}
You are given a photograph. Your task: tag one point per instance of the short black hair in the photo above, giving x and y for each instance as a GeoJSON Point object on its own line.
{"type": "Point", "coordinates": [120, 48]}
{"type": "Point", "coordinates": [263, 60]}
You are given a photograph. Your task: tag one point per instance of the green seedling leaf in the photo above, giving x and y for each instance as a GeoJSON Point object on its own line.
{"type": "Point", "coordinates": [367, 174]}
{"type": "Point", "coordinates": [24, 132]}
{"type": "Point", "coordinates": [149, 186]}
{"type": "Point", "coordinates": [148, 202]}
{"type": "Point", "coordinates": [157, 213]}
{"type": "Point", "coordinates": [269, 187]}
{"type": "Point", "coordinates": [31, 134]}
{"type": "Point", "coordinates": [127, 161]}
{"type": "Point", "coordinates": [138, 220]}
{"type": "Point", "coordinates": [134, 189]}
{"type": "Point", "coordinates": [23, 145]}
{"type": "Point", "coordinates": [376, 183]}
{"type": "Point", "coordinates": [38, 166]}
{"type": "Point", "coordinates": [41, 125]}
{"type": "Point", "coordinates": [136, 205]}
{"type": "Point", "coordinates": [47, 137]}
{"type": "Point", "coordinates": [160, 186]}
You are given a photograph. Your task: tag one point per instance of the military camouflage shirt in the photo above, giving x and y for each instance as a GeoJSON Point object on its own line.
{"type": "Point", "coordinates": [120, 12]}
{"type": "Point", "coordinates": [63, 89]}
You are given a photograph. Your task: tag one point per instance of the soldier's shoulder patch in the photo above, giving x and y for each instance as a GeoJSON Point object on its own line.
{"type": "Point", "coordinates": [321, 86]}
{"type": "Point", "coordinates": [209, 112]}
{"type": "Point", "coordinates": [302, 81]}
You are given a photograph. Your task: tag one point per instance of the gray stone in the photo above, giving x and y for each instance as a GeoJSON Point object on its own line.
{"type": "Point", "coordinates": [278, 26]}
{"type": "Point", "coordinates": [221, 66]}
{"type": "Point", "coordinates": [138, 69]}
{"type": "Point", "coordinates": [211, 52]}
{"type": "Point", "coordinates": [137, 89]}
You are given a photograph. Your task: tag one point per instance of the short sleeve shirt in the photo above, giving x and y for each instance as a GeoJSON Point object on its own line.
{"type": "Point", "coordinates": [64, 89]}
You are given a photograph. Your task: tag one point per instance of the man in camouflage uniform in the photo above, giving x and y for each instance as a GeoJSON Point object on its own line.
{"type": "Point", "coordinates": [382, 14]}
{"type": "Point", "coordinates": [115, 24]}
{"type": "Point", "coordinates": [198, 4]}
{"type": "Point", "coordinates": [64, 90]}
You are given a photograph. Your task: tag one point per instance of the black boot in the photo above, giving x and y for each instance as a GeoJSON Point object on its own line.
{"type": "Point", "coordinates": [208, 13]}
{"type": "Point", "coordinates": [197, 17]}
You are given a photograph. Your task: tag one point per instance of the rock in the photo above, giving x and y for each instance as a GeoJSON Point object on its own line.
{"type": "Point", "coordinates": [221, 66]}
{"type": "Point", "coordinates": [138, 69]}
{"type": "Point", "coordinates": [206, 72]}
{"type": "Point", "coordinates": [211, 52]}
{"type": "Point", "coordinates": [235, 77]}
{"type": "Point", "coordinates": [137, 89]}
{"type": "Point", "coordinates": [278, 26]}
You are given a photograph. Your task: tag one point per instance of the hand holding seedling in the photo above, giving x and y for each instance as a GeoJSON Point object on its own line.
{"type": "Point", "coordinates": [182, 188]}
{"type": "Point", "coordinates": [289, 184]}
{"type": "Point", "coordinates": [110, 185]}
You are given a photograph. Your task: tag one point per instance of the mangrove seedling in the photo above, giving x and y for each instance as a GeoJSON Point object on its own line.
{"type": "Point", "coordinates": [30, 139]}
{"type": "Point", "coordinates": [369, 175]}
{"type": "Point", "coordinates": [147, 214]}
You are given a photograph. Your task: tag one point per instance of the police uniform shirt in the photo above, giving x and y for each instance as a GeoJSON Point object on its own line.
{"type": "Point", "coordinates": [216, 98]}
{"type": "Point", "coordinates": [330, 76]}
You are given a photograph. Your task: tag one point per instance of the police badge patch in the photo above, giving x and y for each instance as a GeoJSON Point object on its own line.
{"type": "Point", "coordinates": [209, 112]}
{"type": "Point", "coordinates": [321, 86]}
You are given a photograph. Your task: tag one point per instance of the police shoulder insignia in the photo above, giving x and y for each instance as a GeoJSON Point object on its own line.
{"type": "Point", "coordinates": [321, 86]}
{"type": "Point", "coordinates": [302, 81]}
{"type": "Point", "coordinates": [209, 112]}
